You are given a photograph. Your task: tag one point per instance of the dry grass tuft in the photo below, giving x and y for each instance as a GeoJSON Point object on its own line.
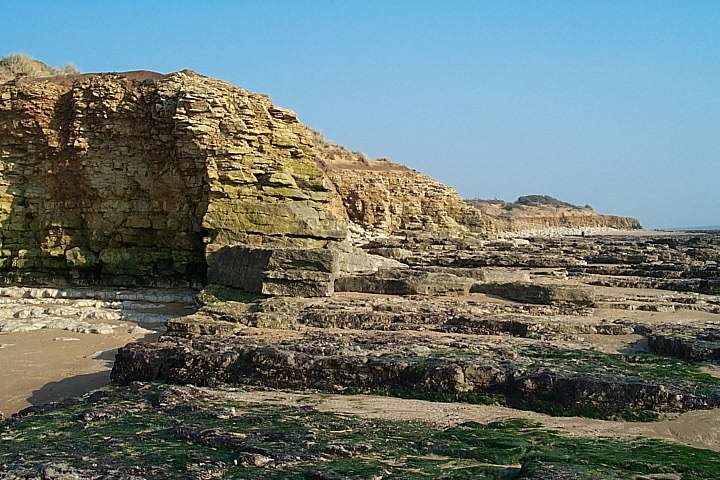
{"type": "Point", "coordinates": [331, 153]}
{"type": "Point", "coordinates": [20, 65]}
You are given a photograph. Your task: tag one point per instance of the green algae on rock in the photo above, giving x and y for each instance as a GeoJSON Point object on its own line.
{"type": "Point", "coordinates": [542, 378]}
{"type": "Point", "coordinates": [163, 432]}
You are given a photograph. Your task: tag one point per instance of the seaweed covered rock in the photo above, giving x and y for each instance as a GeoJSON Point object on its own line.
{"type": "Point", "coordinates": [543, 378]}
{"type": "Point", "coordinates": [152, 431]}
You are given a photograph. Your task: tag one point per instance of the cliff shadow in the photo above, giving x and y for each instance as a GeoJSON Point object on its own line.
{"type": "Point", "coordinates": [101, 193]}
{"type": "Point", "coordinates": [78, 385]}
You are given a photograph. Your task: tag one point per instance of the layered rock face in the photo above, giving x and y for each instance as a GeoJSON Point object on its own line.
{"type": "Point", "coordinates": [384, 197]}
{"type": "Point", "coordinates": [278, 271]}
{"type": "Point", "coordinates": [387, 198]}
{"type": "Point", "coordinates": [130, 178]}
{"type": "Point", "coordinates": [546, 216]}
{"type": "Point", "coordinates": [134, 178]}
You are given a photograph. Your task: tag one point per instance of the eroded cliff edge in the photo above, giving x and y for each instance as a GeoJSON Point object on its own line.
{"type": "Point", "coordinates": [385, 197]}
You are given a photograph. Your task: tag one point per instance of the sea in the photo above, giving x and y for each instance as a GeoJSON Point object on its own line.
{"type": "Point", "coordinates": [713, 229]}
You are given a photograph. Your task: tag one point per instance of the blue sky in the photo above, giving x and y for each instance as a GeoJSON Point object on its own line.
{"type": "Point", "coordinates": [611, 103]}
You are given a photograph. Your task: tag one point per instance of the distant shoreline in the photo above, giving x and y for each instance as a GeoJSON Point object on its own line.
{"type": "Point", "coordinates": [715, 228]}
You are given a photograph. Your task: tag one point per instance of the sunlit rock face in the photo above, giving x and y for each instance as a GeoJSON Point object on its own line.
{"type": "Point", "coordinates": [384, 197]}
{"type": "Point", "coordinates": [132, 178]}
{"type": "Point", "coordinates": [135, 178]}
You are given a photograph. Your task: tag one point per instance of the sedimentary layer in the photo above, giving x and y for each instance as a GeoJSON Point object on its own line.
{"type": "Point", "coordinates": [130, 178]}
{"type": "Point", "coordinates": [553, 217]}
{"type": "Point", "coordinates": [385, 197]}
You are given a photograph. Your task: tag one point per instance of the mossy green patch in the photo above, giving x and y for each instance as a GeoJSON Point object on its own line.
{"type": "Point", "coordinates": [135, 432]}
{"type": "Point", "coordinates": [641, 366]}
{"type": "Point", "coordinates": [214, 294]}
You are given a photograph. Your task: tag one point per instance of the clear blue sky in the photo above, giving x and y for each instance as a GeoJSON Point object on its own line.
{"type": "Point", "coordinates": [611, 103]}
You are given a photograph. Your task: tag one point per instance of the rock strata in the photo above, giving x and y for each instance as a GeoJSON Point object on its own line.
{"type": "Point", "coordinates": [525, 377]}
{"type": "Point", "coordinates": [135, 178]}
{"type": "Point", "coordinates": [548, 294]}
{"type": "Point", "coordinates": [539, 214]}
{"type": "Point", "coordinates": [322, 272]}
{"type": "Point", "coordinates": [405, 282]}
{"type": "Point", "coordinates": [278, 271]}
{"type": "Point", "coordinates": [384, 197]}
{"type": "Point", "coordinates": [125, 178]}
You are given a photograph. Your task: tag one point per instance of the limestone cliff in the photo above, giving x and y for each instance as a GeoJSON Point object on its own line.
{"type": "Point", "coordinates": [544, 214]}
{"type": "Point", "coordinates": [385, 197]}
{"type": "Point", "coordinates": [136, 178]}
{"type": "Point", "coordinates": [129, 178]}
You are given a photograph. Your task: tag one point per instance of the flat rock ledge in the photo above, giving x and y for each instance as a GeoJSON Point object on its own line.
{"type": "Point", "coordinates": [541, 378]}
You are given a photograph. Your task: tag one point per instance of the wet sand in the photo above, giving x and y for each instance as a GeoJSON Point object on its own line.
{"type": "Point", "coordinates": [48, 365]}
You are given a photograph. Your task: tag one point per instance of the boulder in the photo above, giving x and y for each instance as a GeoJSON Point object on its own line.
{"type": "Point", "coordinates": [354, 261]}
{"type": "Point", "coordinates": [485, 274]}
{"type": "Point", "coordinates": [274, 271]}
{"type": "Point", "coordinates": [391, 252]}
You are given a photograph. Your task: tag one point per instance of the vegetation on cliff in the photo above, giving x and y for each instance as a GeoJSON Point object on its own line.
{"type": "Point", "coordinates": [19, 65]}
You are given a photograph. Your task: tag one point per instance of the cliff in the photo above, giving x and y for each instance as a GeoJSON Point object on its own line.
{"type": "Point", "coordinates": [132, 178]}
{"type": "Point", "coordinates": [385, 197]}
{"type": "Point", "coordinates": [542, 214]}
{"type": "Point", "coordinates": [136, 178]}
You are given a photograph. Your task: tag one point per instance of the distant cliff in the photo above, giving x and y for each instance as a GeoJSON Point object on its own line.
{"type": "Point", "coordinates": [383, 196]}
{"type": "Point", "coordinates": [543, 214]}
{"type": "Point", "coordinates": [386, 197]}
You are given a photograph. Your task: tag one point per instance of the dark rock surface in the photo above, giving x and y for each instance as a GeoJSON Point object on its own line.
{"type": "Point", "coordinates": [169, 432]}
{"type": "Point", "coordinates": [542, 378]}
{"type": "Point", "coordinates": [274, 271]}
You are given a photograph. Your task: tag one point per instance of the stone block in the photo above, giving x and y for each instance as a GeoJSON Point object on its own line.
{"type": "Point", "coordinates": [354, 261]}
{"type": "Point", "coordinates": [545, 294]}
{"type": "Point", "coordinates": [405, 281]}
{"type": "Point", "coordinates": [485, 274]}
{"type": "Point", "coordinates": [274, 271]}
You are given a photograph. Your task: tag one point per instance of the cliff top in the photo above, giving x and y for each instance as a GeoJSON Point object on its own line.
{"type": "Point", "coordinates": [21, 66]}
{"type": "Point", "coordinates": [337, 157]}
{"type": "Point", "coordinates": [526, 201]}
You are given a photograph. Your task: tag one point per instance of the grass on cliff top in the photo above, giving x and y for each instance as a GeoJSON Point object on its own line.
{"type": "Point", "coordinates": [20, 65]}
{"type": "Point", "coordinates": [130, 434]}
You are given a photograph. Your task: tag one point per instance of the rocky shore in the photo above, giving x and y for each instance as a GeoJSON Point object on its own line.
{"type": "Point", "coordinates": [270, 305]}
